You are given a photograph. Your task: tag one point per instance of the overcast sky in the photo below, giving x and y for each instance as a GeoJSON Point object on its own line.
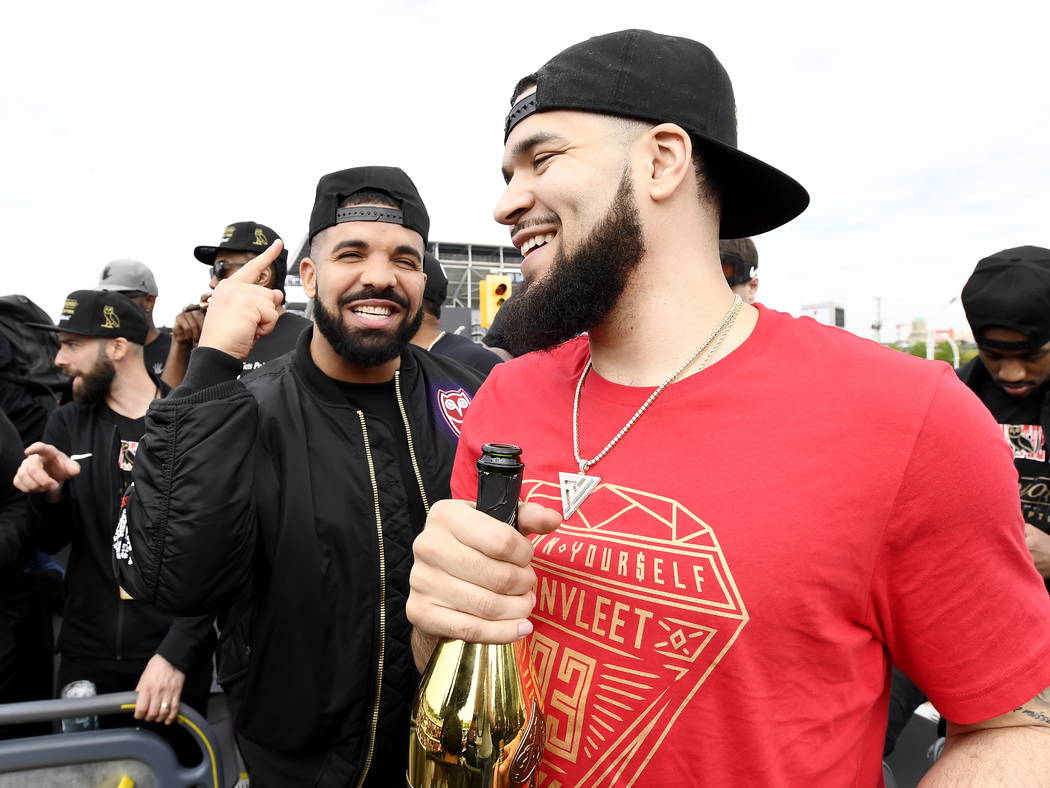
{"type": "Point", "coordinates": [142, 129]}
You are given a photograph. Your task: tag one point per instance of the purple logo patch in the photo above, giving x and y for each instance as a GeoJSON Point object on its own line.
{"type": "Point", "coordinates": [453, 405]}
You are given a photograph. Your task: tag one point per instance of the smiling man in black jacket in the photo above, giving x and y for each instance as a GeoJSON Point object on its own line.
{"type": "Point", "coordinates": [288, 500]}
{"type": "Point", "coordinates": [76, 476]}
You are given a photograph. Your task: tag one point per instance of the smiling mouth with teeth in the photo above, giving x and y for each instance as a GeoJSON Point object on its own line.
{"type": "Point", "coordinates": [536, 241]}
{"type": "Point", "coordinates": [372, 312]}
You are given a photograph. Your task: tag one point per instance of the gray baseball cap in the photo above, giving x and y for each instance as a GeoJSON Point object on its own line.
{"type": "Point", "coordinates": [128, 275]}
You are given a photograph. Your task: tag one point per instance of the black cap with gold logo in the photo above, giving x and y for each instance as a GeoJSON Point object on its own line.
{"type": "Point", "coordinates": [101, 313]}
{"type": "Point", "coordinates": [241, 237]}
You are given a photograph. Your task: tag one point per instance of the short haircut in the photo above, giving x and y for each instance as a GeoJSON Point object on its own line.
{"type": "Point", "coordinates": [744, 248]}
{"type": "Point", "coordinates": [370, 197]}
{"type": "Point", "coordinates": [432, 308]}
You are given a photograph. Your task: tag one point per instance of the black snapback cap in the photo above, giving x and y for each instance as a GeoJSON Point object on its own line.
{"type": "Point", "coordinates": [242, 237]}
{"type": "Point", "coordinates": [436, 289]}
{"type": "Point", "coordinates": [1010, 289]}
{"type": "Point", "coordinates": [335, 187]}
{"type": "Point", "coordinates": [667, 79]}
{"type": "Point", "coordinates": [106, 314]}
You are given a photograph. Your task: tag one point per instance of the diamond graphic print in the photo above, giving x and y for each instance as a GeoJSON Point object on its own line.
{"type": "Point", "coordinates": [635, 576]}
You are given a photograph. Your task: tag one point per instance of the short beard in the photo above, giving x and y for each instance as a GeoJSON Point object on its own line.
{"type": "Point", "coordinates": [582, 287]}
{"type": "Point", "coordinates": [359, 346]}
{"type": "Point", "coordinates": [96, 383]}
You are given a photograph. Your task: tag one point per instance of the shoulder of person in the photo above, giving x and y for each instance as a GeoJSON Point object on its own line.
{"type": "Point", "coordinates": [269, 374]}
{"type": "Point", "coordinates": [854, 360]}
{"type": "Point", "coordinates": [72, 412]}
{"type": "Point", "coordinates": [437, 366]}
{"type": "Point", "coordinates": [294, 319]}
{"type": "Point", "coordinates": [569, 355]}
{"type": "Point", "coordinates": [970, 372]}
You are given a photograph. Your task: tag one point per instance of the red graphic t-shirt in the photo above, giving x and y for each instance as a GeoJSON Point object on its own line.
{"type": "Point", "coordinates": [718, 612]}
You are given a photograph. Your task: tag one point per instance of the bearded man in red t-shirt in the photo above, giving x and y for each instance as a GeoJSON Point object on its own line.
{"type": "Point", "coordinates": [692, 623]}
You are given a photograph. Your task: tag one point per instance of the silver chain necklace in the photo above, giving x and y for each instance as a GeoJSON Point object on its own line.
{"type": "Point", "coordinates": [575, 487]}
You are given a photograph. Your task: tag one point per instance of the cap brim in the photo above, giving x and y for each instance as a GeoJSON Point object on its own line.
{"type": "Point", "coordinates": [206, 254]}
{"type": "Point", "coordinates": [756, 197]}
{"type": "Point", "coordinates": [124, 289]}
{"type": "Point", "coordinates": [60, 329]}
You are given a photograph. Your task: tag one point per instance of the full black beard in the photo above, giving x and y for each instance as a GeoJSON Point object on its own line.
{"type": "Point", "coordinates": [96, 382]}
{"type": "Point", "coordinates": [366, 348]}
{"type": "Point", "coordinates": [583, 286]}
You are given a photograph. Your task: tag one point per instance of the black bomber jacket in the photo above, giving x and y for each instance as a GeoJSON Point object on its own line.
{"type": "Point", "coordinates": [97, 623]}
{"type": "Point", "coordinates": [272, 501]}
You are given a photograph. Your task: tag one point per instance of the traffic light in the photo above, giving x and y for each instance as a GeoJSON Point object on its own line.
{"type": "Point", "coordinates": [494, 289]}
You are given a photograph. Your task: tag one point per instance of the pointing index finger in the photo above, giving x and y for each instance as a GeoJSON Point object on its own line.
{"type": "Point", "coordinates": [250, 271]}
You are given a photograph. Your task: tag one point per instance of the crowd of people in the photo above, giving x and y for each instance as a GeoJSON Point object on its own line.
{"type": "Point", "coordinates": [734, 524]}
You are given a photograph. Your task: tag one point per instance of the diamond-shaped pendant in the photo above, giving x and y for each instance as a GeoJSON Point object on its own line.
{"type": "Point", "coordinates": [575, 487]}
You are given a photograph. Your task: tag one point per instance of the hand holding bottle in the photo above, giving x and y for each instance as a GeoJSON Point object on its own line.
{"type": "Point", "coordinates": [471, 579]}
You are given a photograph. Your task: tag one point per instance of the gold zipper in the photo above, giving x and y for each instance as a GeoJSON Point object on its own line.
{"type": "Point", "coordinates": [382, 601]}
{"type": "Point", "coordinates": [408, 434]}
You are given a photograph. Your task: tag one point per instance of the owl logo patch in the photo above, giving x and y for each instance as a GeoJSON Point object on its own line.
{"type": "Point", "coordinates": [453, 406]}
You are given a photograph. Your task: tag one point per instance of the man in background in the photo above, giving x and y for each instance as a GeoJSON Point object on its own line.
{"type": "Point", "coordinates": [1007, 303]}
{"type": "Point", "coordinates": [431, 336]}
{"type": "Point", "coordinates": [241, 242]}
{"type": "Point", "coordinates": [76, 477]}
{"type": "Point", "coordinates": [136, 281]}
{"type": "Point", "coordinates": [740, 266]}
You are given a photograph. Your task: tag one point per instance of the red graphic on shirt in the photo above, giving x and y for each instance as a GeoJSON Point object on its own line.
{"type": "Point", "coordinates": [1026, 441]}
{"type": "Point", "coordinates": [453, 405]}
{"type": "Point", "coordinates": [635, 607]}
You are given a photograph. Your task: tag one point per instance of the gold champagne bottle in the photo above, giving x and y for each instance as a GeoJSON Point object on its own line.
{"type": "Point", "coordinates": [477, 719]}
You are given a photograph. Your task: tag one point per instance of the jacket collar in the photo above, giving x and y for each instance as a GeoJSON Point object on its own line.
{"type": "Point", "coordinates": [325, 387]}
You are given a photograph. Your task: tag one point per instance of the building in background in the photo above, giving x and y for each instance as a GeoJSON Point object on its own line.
{"type": "Point", "coordinates": [827, 312]}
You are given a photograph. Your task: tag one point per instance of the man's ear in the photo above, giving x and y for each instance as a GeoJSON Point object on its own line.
{"type": "Point", "coordinates": [752, 288]}
{"type": "Point", "coordinates": [150, 301]}
{"type": "Point", "coordinates": [266, 277]}
{"type": "Point", "coordinates": [668, 152]}
{"type": "Point", "coordinates": [308, 277]}
{"type": "Point", "coordinates": [117, 348]}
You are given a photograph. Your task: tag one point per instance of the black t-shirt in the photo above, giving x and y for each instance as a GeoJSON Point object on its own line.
{"type": "Point", "coordinates": [466, 352]}
{"type": "Point", "coordinates": [130, 432]}
{"type": "Point", "coordinates": [278, 342]}
{"type": "Point", "coordinates": [379, 401]}
{"type": "Point", "coordinates": [156, 352]}
{"type": "Point", "coordinates": [1019, 418]}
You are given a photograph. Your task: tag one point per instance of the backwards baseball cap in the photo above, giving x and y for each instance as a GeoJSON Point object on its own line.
{"type": "Point", "coordinates": [1010, 289]}
{"type": "Point", "coordinates": [128, 275]}
{"type": "Point", "coordinates": [739, 260]}
{"type": "Point", "coordinates": [243, 237]}
{"type": "Point", "coordinates": [436, 289]}
{"type": "Point", "coordinates": [335, 187]}
{"type": "Point", "coordinates": [666, 79]}
{"type": "Point", "coordinates": [101, 313]}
